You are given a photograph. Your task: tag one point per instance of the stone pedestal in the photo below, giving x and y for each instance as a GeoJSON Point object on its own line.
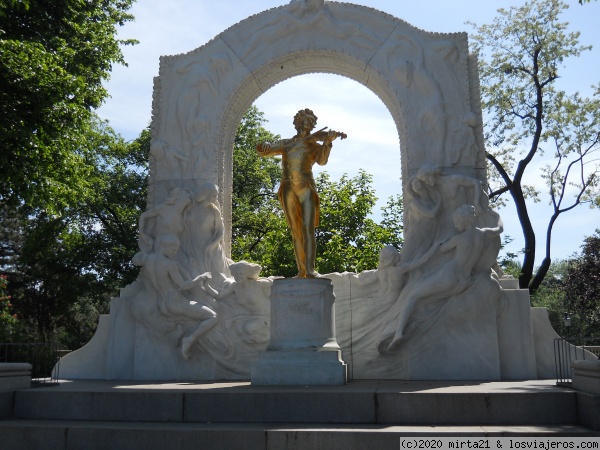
{"type": "Point", "coordinates": [302, 349]}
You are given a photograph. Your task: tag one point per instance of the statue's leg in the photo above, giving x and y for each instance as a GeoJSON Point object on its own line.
{"type": "Point", "coordinates": [292, 209]}
{"type": "Point", "coordinates": [187, 342]}
{"type": "Point", "coordinates": [442, 283]}
{"type": "Point", "coordinates": [309, 208]}
{"type": "Point", "coordinates": [310, 246]}
{"type": "Point", "coordinates": [402, 321]}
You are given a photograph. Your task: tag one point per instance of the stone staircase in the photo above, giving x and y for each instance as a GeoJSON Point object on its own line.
{"type": "Point", "coordinates": [361, 414]}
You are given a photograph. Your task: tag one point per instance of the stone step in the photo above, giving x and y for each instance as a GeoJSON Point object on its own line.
{"type": "Point", "coordinates": [48, 434]}
{"type": "Point", "coordinates": [537, 402]}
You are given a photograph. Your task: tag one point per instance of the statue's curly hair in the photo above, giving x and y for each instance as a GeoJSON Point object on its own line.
{"type": "Point", "coordinates": [303, 113]}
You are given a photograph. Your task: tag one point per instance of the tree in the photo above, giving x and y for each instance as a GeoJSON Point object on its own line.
{"type": "Point", "coordinates": [582, 287]}
{"type": "Point", "coordinates": [54, 57]}
{"type": "Point", "coordinates": [527, 117]}
{"type": "Point", "coordinates": [347, 238]}
{"type": "Point", "coordinates": [256, 211]}
{"type": "Point", "coordinates": [63, 269]}
{"type": "Point", "coordinates": [572, 287]}
{"type": "Point", "coordinates": [8, 320]}
{"type": "Point", "coordinates": [551, 295]}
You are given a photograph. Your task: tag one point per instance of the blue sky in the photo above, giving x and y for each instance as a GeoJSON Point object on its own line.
{"type": "Point", "coordinates": [179, 26]}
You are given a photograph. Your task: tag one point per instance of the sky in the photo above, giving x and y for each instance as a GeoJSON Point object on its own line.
{"type": "Point", "coordinates": [179, 26]}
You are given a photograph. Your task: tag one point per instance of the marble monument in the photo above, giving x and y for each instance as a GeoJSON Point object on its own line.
{"type": "Point", "coordinates": [440, 309]}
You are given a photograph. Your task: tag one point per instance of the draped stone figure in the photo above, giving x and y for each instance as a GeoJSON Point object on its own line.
{"type": "Point", "coordinates": [455, 276]}
{"type": "Point", "coordinates": [165, 218]}
{"type": "Point", "coordinates": [169, 280]}
{"type": "Point", "coordinates": [204, 235]}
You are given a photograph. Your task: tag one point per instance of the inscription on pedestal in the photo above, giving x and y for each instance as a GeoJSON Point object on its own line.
{"type": "Point", "coordinates": [303, 349]}
{"type": "Point", "coordinates": [299, 308]}
{"type": "Point", "coordinates": [302, 314]}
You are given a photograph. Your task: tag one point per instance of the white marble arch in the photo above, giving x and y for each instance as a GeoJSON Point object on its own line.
{"type": "Point", "coordinates": [428, 82]}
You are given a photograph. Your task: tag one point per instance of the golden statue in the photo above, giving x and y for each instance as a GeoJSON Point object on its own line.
{"type": "Point", "coordinates": [298, 192]}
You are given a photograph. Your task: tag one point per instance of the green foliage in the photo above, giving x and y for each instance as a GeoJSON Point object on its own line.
{"type": "Point", "coordinates": [347, 238]}
{"type": "Point", "coordinates": [551, 295]}
{"type": "Point", "coordinates": [527, 117]}
{"type": "Point", "coordinates": [553, 299]}
{"type": "Point", "coordinates": [511, 267]}
{"type": "Point", "coordinates": [572, 287]}
{"type": "Point", "coordinates": [54, 57]}
{"type": "Point", "coordinates": [255, 207]}
{"type": "Point", "coordinates": [8, 320]}
{"type": "Point", "coordinates": [64, 268]}
{"type": "Point", "coordinates": [582, 288]}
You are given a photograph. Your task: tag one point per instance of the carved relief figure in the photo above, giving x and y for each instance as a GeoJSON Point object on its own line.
{"type": "Point", "coordinates": [462, 142]}
{"type": "Point", "coordinates": [447, 50]}
{"type": "Point", "coordinates": [455, 190]}
{"type": "Point", "coordinates": [426, 99]}
{"type": "Point", "coordinates": [204, 235]}
{"type": "Point", "coordinates": [199, 133]}
{"type": "Point", "coordinates": [385, 275]}
{"type": "Point", "coordinates": [423, 202]}
{"type": "Point", "coordinates": [169, 161]}
{"type": "Point", "coordinates": [390, 272]}
{"type": "Point", "coordinates": [298, 192]}
{"type": "Point", "coordinates": [189, 104]}
{"type": "Point", "coordinates": [306, 15]}
{"type": "Point", "coordinates": [452, 278]}
{"type": "Point", "coordinates": [250, 295]}
{"type": "Point", "coordinates": [199, 84]}
{"type": "Point", "coordinates": [195, 127]}
{"type": "Point", "coordinates": [168, 279]}
{"type": "Point", "coordinates": [168, 219]}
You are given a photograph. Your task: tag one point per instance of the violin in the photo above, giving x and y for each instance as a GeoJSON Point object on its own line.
{"type": "Point", "coordinates": [322, 134]}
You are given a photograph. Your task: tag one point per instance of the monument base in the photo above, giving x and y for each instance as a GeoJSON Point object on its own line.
{"type": "Point", "coordinates": [302, 349]}
{"type": "Point", "coordinates": [300, 367]}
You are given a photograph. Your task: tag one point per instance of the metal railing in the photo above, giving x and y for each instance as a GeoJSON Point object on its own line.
{"type": "Point", "coordinates": [42, 357]}
{"type": "Point", "coordinates": [569, 349]}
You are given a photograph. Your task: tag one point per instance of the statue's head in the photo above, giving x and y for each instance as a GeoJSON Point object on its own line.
{"type": "Point", "coordinates": [242, 270]}
{"type": "Point", "coordinates": [158, 149]}
{"type": "Point", "coordinates": [208, 191]}
{"type": "Point", "coordinates": [417, 184]}
{"type": "Point", "coordinates": [178, 195]}
{"type": "Point", "coordinates": [428, 173]}
{"type": "Point", "coordinates": [464, 216]}
{"type": "Point", "coordinates": [305, 117]}
{"type": "Point", "coordinates": [388, 256]}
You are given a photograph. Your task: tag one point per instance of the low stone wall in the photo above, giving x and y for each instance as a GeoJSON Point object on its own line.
{"type": "Point", "coordinates": [586, 376]}
{"type": "Point", "coordinates": [586, 380]}
{"type": "Point", "coordinates": [13, 377]}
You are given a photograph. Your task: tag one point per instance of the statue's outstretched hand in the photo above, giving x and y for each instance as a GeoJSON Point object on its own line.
{"type": "Point", "coordinates": [331, 135]}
